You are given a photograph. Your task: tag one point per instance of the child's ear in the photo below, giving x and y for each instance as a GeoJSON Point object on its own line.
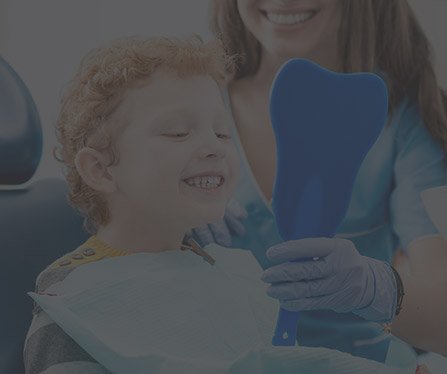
{"type": "Point", "coordinates": [92, 167]}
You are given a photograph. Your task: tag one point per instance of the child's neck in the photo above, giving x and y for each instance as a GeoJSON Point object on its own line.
{"type": "Point", "coordinates": [134, 238]}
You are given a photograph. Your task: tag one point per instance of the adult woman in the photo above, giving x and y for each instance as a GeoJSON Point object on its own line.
{"type": "Point", "coordinates": [386, 211]}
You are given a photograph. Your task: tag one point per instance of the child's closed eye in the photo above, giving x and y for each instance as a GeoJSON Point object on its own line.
{"type": "Point", "coordinates": [176, 135]}
{"type": "Point", "coordinates": [179, 135]}
{"type": "Point", "coordinates": [223, 136]}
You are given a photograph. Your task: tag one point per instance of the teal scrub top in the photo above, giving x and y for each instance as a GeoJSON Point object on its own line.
{"type": "Point", "coordinates": [385, 213]}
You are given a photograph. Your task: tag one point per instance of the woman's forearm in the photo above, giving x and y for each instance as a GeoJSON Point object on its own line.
{"type": "Point", "coordinates": [423, 319]}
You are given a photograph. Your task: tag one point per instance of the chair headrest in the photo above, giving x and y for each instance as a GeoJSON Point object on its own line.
{"type": "Point", "coordinates": [20, 129]}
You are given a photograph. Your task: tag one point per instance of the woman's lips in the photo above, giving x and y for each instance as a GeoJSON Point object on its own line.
{"type": "Point", "coordinates": [289, 17]}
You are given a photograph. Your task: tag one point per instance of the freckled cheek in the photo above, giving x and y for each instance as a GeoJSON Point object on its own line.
{"type": "Point", "coordinates": [169, 172]}
{"type": "Point", "coordinates": [251, 17]}
{"type": "Point", "coordinates": [256, 23]}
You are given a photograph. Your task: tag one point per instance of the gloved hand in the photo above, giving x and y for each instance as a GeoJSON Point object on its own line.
{"type": "Point", "coordinates": [220, 232]}
{"type": "Point", "coordinates": [341, 279]}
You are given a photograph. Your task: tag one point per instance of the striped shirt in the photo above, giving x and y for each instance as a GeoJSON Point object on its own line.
{"type": "Point", "coordinates": [48, 349]}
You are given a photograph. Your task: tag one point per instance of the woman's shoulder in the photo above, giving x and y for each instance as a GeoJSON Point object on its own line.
{"type": "Point", "coordinates": [404, 111]}
{"type": "Point", "coordinates": [408, 123]}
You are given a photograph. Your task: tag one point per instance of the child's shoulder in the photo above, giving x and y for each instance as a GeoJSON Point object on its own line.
{"type": "Point", "coordinates": [60, 268]}
{"type": "Point", "coordinates": [81, 255]}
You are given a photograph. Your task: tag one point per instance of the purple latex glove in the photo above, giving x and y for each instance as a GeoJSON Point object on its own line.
{"type": "Point", "coordinates": [220, 232]}
{"type": "Point", "coordinates": [331, 274]}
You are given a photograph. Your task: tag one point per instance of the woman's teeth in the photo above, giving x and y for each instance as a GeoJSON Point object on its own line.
{"type": "Point", "coordinates": [205, 182]}
{"type": "Point", "coordinates": [289, 19]}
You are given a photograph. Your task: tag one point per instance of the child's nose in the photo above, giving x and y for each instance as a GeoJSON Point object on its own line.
{"type": "Point", "coordinates": [212, 147]}
{"type": "Point", "coordinates": [208, 152]}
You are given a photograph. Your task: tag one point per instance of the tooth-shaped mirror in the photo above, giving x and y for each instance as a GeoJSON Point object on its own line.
{"type": "Point", "coordinates": [324, 125]}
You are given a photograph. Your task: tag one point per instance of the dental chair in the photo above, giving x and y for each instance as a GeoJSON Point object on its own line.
{"type": "Point", "coordinates": [36, 223]}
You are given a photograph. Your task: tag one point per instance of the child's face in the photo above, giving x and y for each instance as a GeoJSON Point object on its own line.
{"type": "Point", "coordinates": [176, 159]}
{"type": "Point", "coordinates": [293, 28]}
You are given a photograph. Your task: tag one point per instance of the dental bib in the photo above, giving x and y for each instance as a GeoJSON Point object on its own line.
{"type": "Point", "coordinates": [324, 125]}
{"type": "Point", "coordinates": [172, 312]}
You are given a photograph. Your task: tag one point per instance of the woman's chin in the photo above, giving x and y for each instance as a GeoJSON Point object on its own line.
{"type": "Point", "coordinates": [286, 51]}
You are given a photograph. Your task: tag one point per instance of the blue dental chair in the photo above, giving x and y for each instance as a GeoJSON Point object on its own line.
{"type": "Point", "coordinates": [36, 223]}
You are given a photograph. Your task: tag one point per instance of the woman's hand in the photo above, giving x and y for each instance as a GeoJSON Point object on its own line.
{"type": "Point", "coordinates": [220, 232]}
{"type": "Point", "coordinates": [340, 279]}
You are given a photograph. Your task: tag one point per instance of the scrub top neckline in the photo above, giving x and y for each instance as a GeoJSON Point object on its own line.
{"type": "Point", "coordinates": [244, 159]}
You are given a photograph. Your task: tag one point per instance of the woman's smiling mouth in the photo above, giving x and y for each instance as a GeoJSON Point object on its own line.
{"type": "Point", "coordinates": [284, 18]}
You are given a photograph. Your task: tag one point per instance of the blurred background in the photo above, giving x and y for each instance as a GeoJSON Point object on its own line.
{"type": "Point", "coordinates": [44, 41]}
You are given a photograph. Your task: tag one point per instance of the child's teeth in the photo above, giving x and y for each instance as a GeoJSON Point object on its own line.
{"type": "Point", "coordinates": [204, 182]}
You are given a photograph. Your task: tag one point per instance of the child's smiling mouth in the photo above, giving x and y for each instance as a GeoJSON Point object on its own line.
{"type": "Point", "coordinates": [208, 181]}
